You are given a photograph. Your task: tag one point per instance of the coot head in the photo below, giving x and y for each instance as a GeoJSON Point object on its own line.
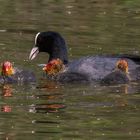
{"type": "Point", "coordinates": [52, 43]}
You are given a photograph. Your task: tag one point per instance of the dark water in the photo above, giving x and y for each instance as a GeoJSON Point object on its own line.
{"type": "Point", "coordinates": [47, 110]}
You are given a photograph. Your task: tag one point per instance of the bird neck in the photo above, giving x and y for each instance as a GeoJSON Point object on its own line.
{"type": "Point", "coordinates": [59, 53]}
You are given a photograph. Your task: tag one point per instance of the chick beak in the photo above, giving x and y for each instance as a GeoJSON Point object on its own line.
{"type": "Point", "coordinates": [7, 69]}
{"type": "Point", "coordinates": [33, 53]}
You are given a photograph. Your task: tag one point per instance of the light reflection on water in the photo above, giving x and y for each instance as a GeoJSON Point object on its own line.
{"type": "Point", "coordinates": [49, 110]}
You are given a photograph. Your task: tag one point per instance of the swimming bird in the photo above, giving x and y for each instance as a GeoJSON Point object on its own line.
{"type": "Point", "coordinates": [10, 74]}
{"type": "Point", "coordinates": [119, 76]}
{"type": "Point", "coordinates": [90, 68]}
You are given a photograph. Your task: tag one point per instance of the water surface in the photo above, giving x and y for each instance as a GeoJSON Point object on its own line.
{"type": "Point", "coordinates": [48, 110]}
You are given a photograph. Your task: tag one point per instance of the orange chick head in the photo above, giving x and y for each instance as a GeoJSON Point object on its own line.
{"type": "Point", "coordinates": [54, 67]}
{"type": "Point", "coordinates": [122, 65]}
{"type": "Point", "coordinates": [7, 69]}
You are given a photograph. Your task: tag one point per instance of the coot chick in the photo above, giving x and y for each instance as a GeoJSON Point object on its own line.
{"type": "Point", "coordinates": [119, 76]}
{"type": "Point", "coordinates": [10, 74]}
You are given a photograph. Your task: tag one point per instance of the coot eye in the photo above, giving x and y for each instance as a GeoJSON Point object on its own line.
{"type": "Point", "coordinates": [39, 40]}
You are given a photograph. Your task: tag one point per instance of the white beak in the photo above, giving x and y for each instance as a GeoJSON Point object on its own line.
{"type": "Point", "coordinates": [33, 53]}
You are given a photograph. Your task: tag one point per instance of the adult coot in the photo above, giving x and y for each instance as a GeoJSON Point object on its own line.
{"type": "Point", "coordinates": [90, 68]}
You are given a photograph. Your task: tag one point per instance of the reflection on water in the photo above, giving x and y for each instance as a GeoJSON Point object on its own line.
{"type": "Point", "coordinates": [22, 106]}
{"type": "Point", "coordinates": [50, 110]}
{"type": "Point", "coordinates": [53, 109]}
{"type": "Point", "coordinates": [44, 108]}
{"type": "Point", "coordinates": [6, 92]}
{"type": "Point", "coordinates": [51, 105]}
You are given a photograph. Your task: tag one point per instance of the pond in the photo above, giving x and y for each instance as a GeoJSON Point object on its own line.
{"type": "Point", "coordinates": [48, 110]}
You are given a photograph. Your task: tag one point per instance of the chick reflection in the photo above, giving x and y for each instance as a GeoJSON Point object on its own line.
{"type": "Point", "coordinates": [6, 108]}
{"type": "Point", "coordinates": [47, 108]}
{"type": "Point", "coordinates": [51, 94]}
{"type": "Point", "coordinates": [7, 91]}
{"type": "Point", "coordinates": [128, 88]}
{"type": "Point", "coordinates": [49, 85]}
